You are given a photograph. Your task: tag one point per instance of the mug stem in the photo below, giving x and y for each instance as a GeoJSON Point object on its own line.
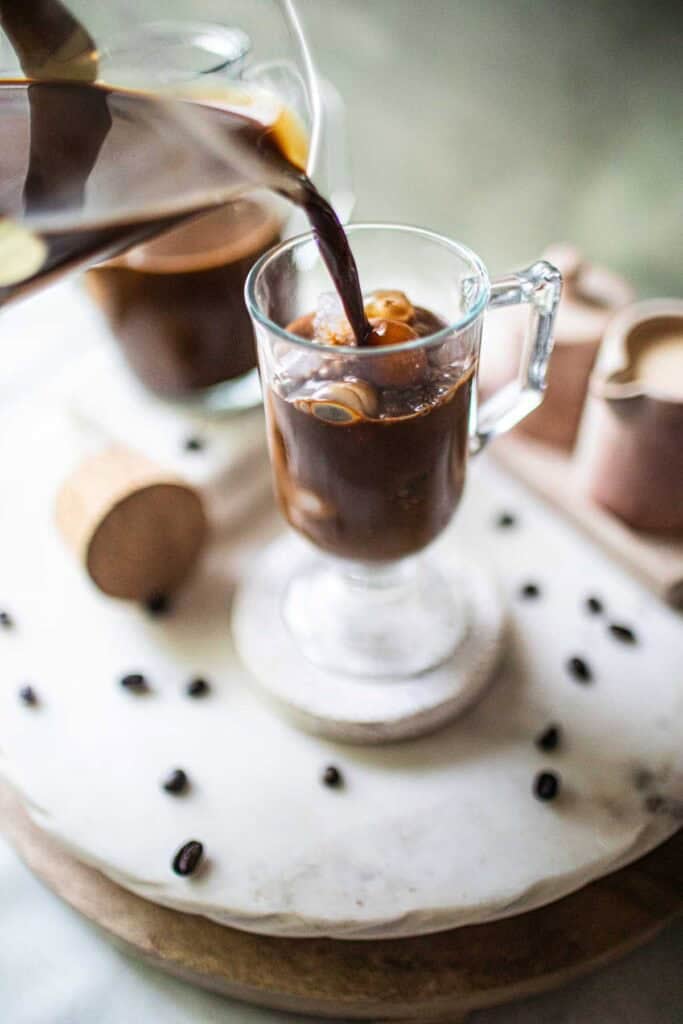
{"type": "Point", "coordinates": [391, 620]}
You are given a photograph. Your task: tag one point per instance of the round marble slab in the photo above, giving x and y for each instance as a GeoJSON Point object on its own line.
{"type": "Point", "coordinates": [423, 835]}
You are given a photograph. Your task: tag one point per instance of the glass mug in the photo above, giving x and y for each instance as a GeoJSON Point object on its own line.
{"type": "Point", "coordinates": [369, 446]}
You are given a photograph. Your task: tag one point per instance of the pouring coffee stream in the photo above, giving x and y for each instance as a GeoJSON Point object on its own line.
{"type": "Point", "coordinates": [89, 170]}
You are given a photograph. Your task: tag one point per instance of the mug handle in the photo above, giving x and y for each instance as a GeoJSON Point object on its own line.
{"type": "Point", "coordinates": [538, 286]}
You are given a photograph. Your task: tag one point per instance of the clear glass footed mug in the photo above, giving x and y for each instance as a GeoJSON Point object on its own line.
{"type": "Point", "coordinates": [369, 445]}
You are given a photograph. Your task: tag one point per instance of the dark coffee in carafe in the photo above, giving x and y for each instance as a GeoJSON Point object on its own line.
{"type": "Point", "coordinates": [176, 303]}
{"type": "Point", "coordinates": [89, 171]}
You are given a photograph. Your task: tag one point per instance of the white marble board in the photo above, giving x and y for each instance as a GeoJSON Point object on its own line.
{"type": "Point", "coordinates": [427, 834]}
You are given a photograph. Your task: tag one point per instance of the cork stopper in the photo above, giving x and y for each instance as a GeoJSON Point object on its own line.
{"type": "Point", "coordinates": [136, 528]}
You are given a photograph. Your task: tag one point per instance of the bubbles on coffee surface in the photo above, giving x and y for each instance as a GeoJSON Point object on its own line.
{"type": "Point", "coordinates": [389, 312]}
{"type": "Point", "coordinates": [344, 390]}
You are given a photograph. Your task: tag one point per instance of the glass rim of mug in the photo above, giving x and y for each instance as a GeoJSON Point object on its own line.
{"type": "Point", "coordinates": [479, 304]}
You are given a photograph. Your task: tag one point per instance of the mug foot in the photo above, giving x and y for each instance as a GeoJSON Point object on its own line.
{"type": "Point", "coordinates": [344, 705]}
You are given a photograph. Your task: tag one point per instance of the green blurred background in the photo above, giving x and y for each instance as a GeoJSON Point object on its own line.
{"type": "Point", "coordinates": [513, 123]}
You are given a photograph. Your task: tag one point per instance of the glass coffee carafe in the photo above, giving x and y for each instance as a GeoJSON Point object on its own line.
{"type": "Point", "coordinates": [147, 134]}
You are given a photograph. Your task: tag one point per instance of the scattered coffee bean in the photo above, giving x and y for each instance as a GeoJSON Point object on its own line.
{"type": "Point", "coordinates": [505, 520]}
{"type": "Point", "coordinates": [158, 603]}
{"type": "Point", "coordinates": [530, 591]}
{"type": "Point", "coordinates": [28, 696]}
{"type": "Point", "coordinates": [135, 682]}
{"type": "Point", "coordinates": [332, 777]}
{"type": "Point", "coordinates": [643, 778]}
{"type": "Point", "coordinates": [197, 687]}
{"type": "Point", "coordinates": [546, 786]}
{"type": "Point", "coordinates": [675, 809]}
{"type": "Point", "coordinates": [654, 803]}
{"type": "Point", "coordinates": [193, 444]}
{"type": "Point", "coordinates": [6, 620]}
{"type": "Point", "coordinates": [594, 605]}
{"type": "Point", "coordinates": [549, 739]}
{"type": "Point", "coordinates": [623, 633]}
{"type": "Point", "coordinates": [176, 781]}
{"type": "Point", "coordinates": [578, 668]}
{"type": "Point", "coordinates": [187, 859]}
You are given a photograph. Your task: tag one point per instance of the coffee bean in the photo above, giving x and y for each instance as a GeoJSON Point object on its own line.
{"type": "Point", "coordinates": [530, 591]}
{"type": "Point", "coordinates": [643, 778]}
{"type": "Point", "coordinates": [506, 520]}
{"type": "Point", "coordinates": [549, 739]}
{"type": "Point", "coordinates": [675, 809]}
{"type": "Point", "coordinates": [187, 859]}
{"type": "Point", "coordinates": [194, 444]}
{"type": "Point", "coordinates": [594, 605]}
{"type": "Point", "coordinates": [176, 781]}
{"type": "Point", "coordinates": [332, 777]}
{"type": "Point", "coordinates": [28, 695]}
{"type": "Point", "coordinates": [623, 633]}
{"type": "Point", "coordinates": [546, 785]}
{"type": "Point", "coordinates": [135, 682]}
{"type": "Point", "coordinates": [578, 668]}
{"type": "Point", "coordinates": [6, 620]}
{"type": "Point", "coordinates": [158, 603]}
{"type": "Point", "coordinates": [197, 687]}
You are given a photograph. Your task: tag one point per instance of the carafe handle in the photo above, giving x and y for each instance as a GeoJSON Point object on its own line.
{"type": "Point", "coordinates": [539, 287]}
{"type": "Point", "coordinates": [335, 178]}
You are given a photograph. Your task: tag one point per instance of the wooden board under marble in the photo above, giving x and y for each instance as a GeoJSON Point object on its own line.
{"type": "Point", "coordinates": [656, 560]}
{"type": "Point", "coordinates": [429, 978]}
